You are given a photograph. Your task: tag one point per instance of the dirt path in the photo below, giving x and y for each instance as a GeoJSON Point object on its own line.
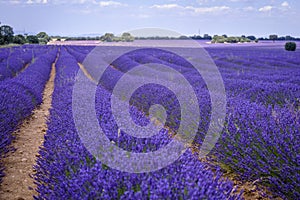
{"type": "Point", "coordinates": [23, 69]}
{"type": "Point", "coordinates": [18, 182]}
{"type": "Point", "coordinates": [86, 73]}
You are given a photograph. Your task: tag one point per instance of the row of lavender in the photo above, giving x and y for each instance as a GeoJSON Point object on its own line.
{"type": "Point", "coordinates": [21, 94]}
{"type": "Point", "coordinates": [260, 140]}
{"type": "Point", "coordinates": [267, 76]}
{"type": "Point", "coordinates": [67, 170]}
{"type": "Point", "coordinates": [261, 137]}
{"type": "Point", "coordinates": [14, 60]}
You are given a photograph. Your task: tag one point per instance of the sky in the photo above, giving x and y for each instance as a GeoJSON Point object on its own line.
{"type": "Point", "coordinates": [187, 17]}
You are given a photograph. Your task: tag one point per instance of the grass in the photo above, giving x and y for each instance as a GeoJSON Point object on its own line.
{"type": "Point", "coordinates": [9, 45]}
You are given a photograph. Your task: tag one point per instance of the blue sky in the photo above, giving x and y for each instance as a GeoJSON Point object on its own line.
{"type": "Point", "coordinates": [79, 17]}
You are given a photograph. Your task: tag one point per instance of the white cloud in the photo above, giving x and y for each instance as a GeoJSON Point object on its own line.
{"type": "Point", "coordinates": [285, 4]}
{"type": "Point", "coordinates": [265, 9]}
{"type": "Point", "coordinates": [71, 2]}
{"type": "Point", "coordinates": [82, 1]}
{"type": "Point", "coordinates": [36, 1]}
{"type": "Point", "coordinates": [213, 9]}
{"type": "Point", "coordinates": [60, 2]}
{"type": "Point", "coordinates": [197, 10]}
{"type": "Point", "coordinates": [110, 3]}
{"type": "Point", "coordinates": [166, 6]}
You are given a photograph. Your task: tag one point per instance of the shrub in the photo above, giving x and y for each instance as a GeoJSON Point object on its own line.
{"type": "Point", "coordinates": [290, 46]}
{"type": "Point", "coordinates": [232, 40]}
{"type": "Point", "coordinates": [6, 34]}
{"type": "Point", "coordinates": [43, 41]}
{"type": "Point", "coordinates": [32, 39]}
{"type": "Point", "coordinates": [19, 39]}
{"type": "Point", "coordinates": [251, 37]}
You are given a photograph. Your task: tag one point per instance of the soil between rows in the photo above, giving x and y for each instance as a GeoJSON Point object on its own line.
{"type": "Point", "coordinates": [18, 182]}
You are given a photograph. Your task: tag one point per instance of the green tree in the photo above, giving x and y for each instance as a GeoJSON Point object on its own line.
{"type": "Point", "coordinates": [6, 34]}
{"type": "Point", "coordinates": [273, 37]}
{"type": "Point", "coordinates": [19, 39]}
{"type": "Point", "coordinates": [207, 37]}
{"type": "Point", "coordinates": [43, 37]}
{"type": "Point", "coordinates": [183, 37]}
{"type": "Point", "coordinates": [107, 37]}
{"type": "Point", "coordinates": [127, 37]}
{"type": "Point", "coordinates": [32, 39]}
{"type": "Point", "coordinates": [244, 39]}
{"type": "Point", "coordinates": [251, 37]}
{"type": "Point", "coordinates": [218, 39]}
{"type": "Point", "coordinates": [290, 46]}
{"type": "Point", "coordinates": [232, 40]}
{"type": "Point", "coordinates": [288, 37]}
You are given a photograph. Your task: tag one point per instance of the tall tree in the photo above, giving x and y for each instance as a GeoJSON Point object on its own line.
{"type": "Point", "coordinates": [19, 39]}
{"type": "Point", "coordinates": [6, 34]}
{"type": "Point", "coordinates": [108, 37]}
{"type": "Point", "coordinates": [273, 37]}
{"type": "Point", "coordinates": [32, 39]}
{"type": "Point", "coordinates": [251, 37]}
{"type": "Point", "coordinates": [43, 36]}
{"type": "Point", "coordinates": [127, 37]}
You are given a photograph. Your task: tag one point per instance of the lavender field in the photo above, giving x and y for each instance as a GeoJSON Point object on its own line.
{"type": "Point", "coordinates": [259, 142]}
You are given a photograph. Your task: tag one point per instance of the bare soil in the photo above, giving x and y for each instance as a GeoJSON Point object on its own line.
{"type": "Point", "coordinates": [18, 182]}
{"type": "Point", "coordinates": [86, 73]}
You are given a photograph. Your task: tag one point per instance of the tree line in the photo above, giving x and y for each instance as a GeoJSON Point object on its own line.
{"type": "Point", "coordinates": [107, 37]}
{"type": "Point", "coordinates": [242, 39]}
{"type": "Point", "coordinates": [7, 36]}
